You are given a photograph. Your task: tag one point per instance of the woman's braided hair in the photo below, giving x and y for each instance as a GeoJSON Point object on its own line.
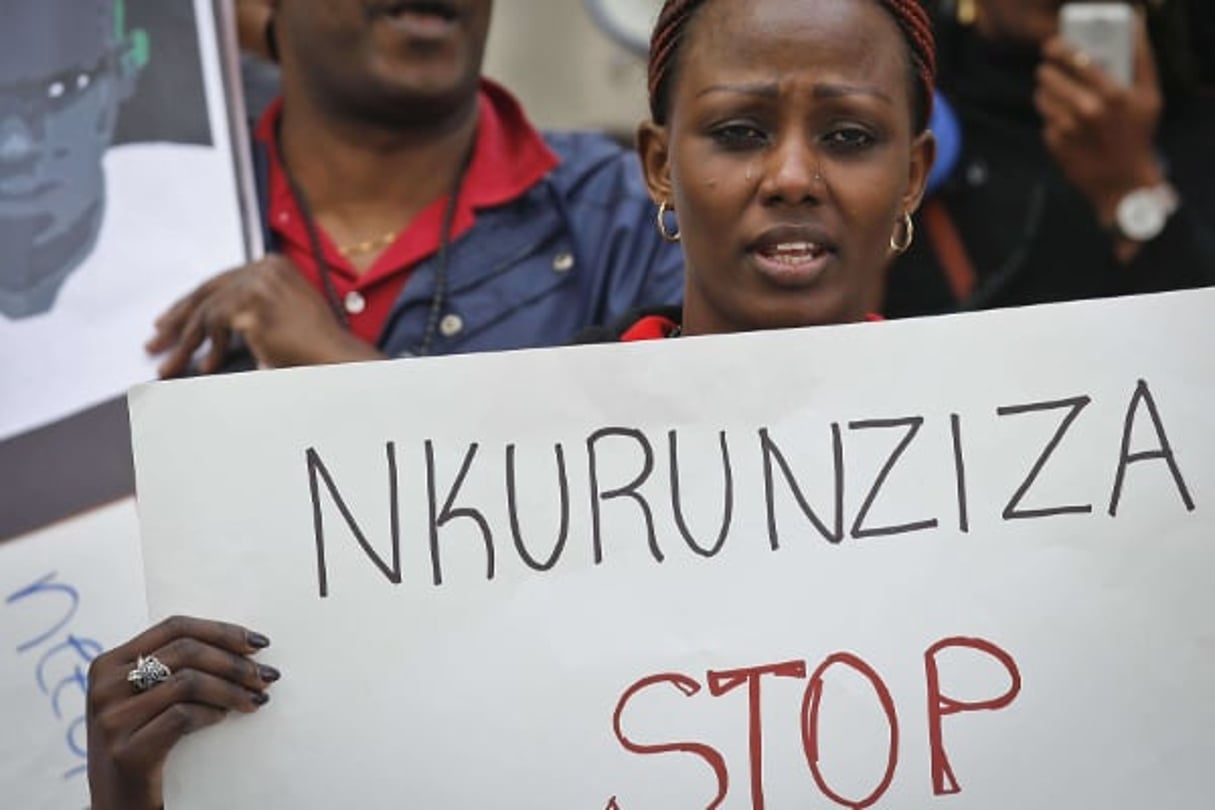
{"type": "Point", "coordinates": [675, 16]}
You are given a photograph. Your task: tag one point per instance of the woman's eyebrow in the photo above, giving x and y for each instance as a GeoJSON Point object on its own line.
{"type": "Point", "coordinates": [828, 90]}
{"type": "Point", "coordinates": [822, 90]}
{"type": "Point", "coordinates": [760, 89]}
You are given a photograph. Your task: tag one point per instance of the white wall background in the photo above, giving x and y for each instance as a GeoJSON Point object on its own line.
{"type": "Point", "coordinates": [567, 73]}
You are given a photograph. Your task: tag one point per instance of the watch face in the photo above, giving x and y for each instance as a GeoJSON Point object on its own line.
{"type": "Point", "coordinates": [1142, 215]}
{"type": "Point", "coordinates": [629, 22]}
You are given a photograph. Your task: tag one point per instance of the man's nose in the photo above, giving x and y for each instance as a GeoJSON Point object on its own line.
{"type": "Point", "coordinates": [19, 148]}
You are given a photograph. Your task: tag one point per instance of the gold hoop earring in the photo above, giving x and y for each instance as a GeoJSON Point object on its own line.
{"type": "Point", "coordinates": [903, 245]}
{"type": "Point", "coordinates": [670, 236]}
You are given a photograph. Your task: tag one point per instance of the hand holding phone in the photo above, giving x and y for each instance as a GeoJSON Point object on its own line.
{"type": "Point", "coordinates": [1100, 101]}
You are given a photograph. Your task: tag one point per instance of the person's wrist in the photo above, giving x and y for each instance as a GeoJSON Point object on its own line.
{"type": "Point", "coordinates": [348, 348]}
{"type": "Point", "coordinates": [1145, 174]}
{"type": "Point", "coordinates": [128, 799]}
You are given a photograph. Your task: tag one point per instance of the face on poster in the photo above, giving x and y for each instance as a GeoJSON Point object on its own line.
{"type": "Point", "coordinates": [63, 82]}
{"type": "Point", "coordinates": [118, 192]}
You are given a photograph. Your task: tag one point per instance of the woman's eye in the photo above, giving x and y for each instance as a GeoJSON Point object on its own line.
{"type": "Point", "coordinates": [849, 139]}
{"type": "Point", "coordinates": [738, 136]}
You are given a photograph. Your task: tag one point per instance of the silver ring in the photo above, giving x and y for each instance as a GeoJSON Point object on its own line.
{"type": "Point", "coordinates": [147, 673]}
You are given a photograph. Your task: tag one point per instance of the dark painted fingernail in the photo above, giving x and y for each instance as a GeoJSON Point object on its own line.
{"type": "Point", "coordinates": [261, 698]}
{"type": "Point", "coordinates": [257, 641]}
{"type": "Point", "coordinates": [268, 674]}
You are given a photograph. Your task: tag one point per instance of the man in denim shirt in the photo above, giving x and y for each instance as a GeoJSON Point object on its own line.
{"type": "Point", "coordinates": [411, 209]}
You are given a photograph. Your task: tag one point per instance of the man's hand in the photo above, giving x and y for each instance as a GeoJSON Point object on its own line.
{"type": "Point", "coordinates": [1100, 132]}
{"type": "Point", "coordinates": [280, 317]}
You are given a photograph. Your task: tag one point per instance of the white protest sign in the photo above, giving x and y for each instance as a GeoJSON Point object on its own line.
{"type": "Point", "coordinates": [955, 563]}
{"type": "Point", "coordinates": [67, 593]}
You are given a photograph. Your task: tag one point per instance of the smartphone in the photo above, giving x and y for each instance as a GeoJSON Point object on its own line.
{"type": "Point", "coordinates": [1105, 32]}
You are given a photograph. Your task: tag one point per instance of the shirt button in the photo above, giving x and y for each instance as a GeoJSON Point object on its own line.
{"type": "Point", "coordinates": [451, 325]}
{"type": "Point", "coordinates": [563, 262]}
{"type": "Point", "coordinates": [284, 218]}
{"type": "Point", "coordinates": [355, 302]}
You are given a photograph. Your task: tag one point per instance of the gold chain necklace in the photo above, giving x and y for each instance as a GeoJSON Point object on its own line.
{"type": "Point", "coordinates": [372, 245]}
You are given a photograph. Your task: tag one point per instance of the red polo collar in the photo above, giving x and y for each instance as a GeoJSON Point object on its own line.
{"type": "Point", "coordinates": [509, 158]}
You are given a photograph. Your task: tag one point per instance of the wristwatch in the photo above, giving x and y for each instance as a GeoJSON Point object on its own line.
{"type": "Point", "coordinates": [1143, 213]}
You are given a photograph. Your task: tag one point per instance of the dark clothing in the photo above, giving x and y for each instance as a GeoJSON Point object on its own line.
{"type": "Point", "coordinates": [1029, 236]}
{"type": "Point", "coordinates": [261, 84]}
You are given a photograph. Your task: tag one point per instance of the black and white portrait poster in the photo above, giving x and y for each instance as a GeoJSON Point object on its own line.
{"type": "Point", "coordinates": [118, 191]}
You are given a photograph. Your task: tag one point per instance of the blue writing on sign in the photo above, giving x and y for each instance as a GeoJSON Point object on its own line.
{"type": "Point", "coordinates": [61, 668]}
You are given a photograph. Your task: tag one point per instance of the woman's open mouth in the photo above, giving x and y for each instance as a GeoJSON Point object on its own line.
{"type": "Point", "coordinates": [792, 263]}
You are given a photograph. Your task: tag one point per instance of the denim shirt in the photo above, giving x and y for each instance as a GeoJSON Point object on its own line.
{"type": "Point", "coordinates": [579, 248]}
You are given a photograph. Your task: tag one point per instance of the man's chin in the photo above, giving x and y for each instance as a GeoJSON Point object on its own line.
{"type": "Point", "coordinates": [423, 97]}
{"type": "Point", "coordinates": [41, 254]}
{"type": "Point", "coordinates": [39, 299]}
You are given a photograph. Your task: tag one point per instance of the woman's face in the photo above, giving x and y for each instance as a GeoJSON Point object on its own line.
{"type": "Point", "coordinates": [789, 160]}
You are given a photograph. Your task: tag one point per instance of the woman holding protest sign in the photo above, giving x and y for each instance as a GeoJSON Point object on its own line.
{"type": "Point", "coordinates": [787, 152]}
